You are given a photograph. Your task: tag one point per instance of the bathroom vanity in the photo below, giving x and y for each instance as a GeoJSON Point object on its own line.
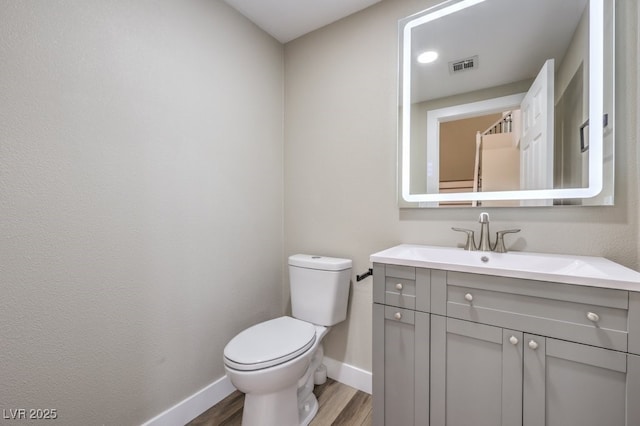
{"type": "Point", "coordinates": [477, 338]}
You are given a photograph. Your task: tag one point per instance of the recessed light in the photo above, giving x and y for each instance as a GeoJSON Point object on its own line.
{"type": "Point", "coordinates": [427, 57]}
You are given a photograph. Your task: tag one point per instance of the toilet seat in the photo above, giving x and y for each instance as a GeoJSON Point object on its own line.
{"type": "Point", "coordinates": [269, 343]}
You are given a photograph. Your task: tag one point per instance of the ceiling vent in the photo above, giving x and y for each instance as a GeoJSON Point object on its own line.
{"type": "Point", "coordinates": [467, 64]}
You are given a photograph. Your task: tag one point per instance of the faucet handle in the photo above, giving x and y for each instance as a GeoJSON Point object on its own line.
{"type": "Point", "coordinates": [471, 243]}
{"type": "Point", "coordinates": [500, 247]}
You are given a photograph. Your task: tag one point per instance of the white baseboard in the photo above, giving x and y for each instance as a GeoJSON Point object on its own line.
{"type": "Point", "coordinates": [348, 374]}
{"type": "Point", "coordinates": [194, 405]}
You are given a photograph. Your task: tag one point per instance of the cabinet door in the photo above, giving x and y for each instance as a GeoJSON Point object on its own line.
{"type": "Point", "coordinates": [400, 367]}
{"type": "Point", "coordinates": [476, 374]}
{"type": "Point", "coordinates": [570, 384]}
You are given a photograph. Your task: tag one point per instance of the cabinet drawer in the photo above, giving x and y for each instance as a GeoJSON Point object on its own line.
{"type": "Point", "coordinates": [590, 315]}
{"type": "Point", "coordinates": [397, 271]}
{"type": "Point", "coordinates": [400, 292]}
{"type": "Point", "coordinates": [402, 286]}
{"type": "Point", "coordinates": [401, 315]}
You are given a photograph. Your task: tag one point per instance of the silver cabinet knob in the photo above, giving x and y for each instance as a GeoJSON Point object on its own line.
{"type": "Point", "coordinates": [513, 340]}
{"type": "Point", "coordinates": [399, 286]}
{"type": "Point", "coordinates": [591, 316]}
{"type": "Point", "coordinates": [468, 297]}
{"type": "Point", "coordinates": [398, 316]}
{"type": "Point", "coordinates": [533, 344]}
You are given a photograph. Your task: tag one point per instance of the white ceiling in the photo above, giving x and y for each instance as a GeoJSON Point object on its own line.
{"type": "Point", "coordinates": [286, 20]}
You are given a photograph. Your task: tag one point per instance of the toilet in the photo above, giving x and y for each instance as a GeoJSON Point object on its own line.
{"type": "Point", "coordinates": [277, 362]}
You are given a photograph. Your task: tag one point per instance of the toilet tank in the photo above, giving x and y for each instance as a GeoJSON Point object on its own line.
{"type": "Point", "coordinates": [319, 288]}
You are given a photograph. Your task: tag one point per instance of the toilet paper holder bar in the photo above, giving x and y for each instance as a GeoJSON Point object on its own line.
{"type": "Point", "coordinates": [365, 275]}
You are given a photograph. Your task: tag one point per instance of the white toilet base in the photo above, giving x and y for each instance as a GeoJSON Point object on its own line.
{"type": "Point", "coordinates": [273, 409]}
{"type": "Point", "coordinates": [308, 410]}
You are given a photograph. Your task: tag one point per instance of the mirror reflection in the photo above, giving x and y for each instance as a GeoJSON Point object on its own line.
{"type": "Point", "coordinates": [498, 99]}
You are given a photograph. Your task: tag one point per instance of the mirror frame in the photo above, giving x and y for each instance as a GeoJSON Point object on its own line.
{"type": "Point", "coordinates": [596, 100]}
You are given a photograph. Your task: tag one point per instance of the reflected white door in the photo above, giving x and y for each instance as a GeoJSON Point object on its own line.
{"type": "Point", "coordinates": [536, 142]}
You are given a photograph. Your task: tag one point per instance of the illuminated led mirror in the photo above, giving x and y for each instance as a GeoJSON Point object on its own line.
{"type": "Point", "coordinates": [507, 103]}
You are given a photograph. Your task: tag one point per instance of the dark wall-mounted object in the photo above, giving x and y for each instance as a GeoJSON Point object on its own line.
{"type": "Point", "coordinates": [365, 275]}
{"type": "Point", "coordinates": [583, 147]}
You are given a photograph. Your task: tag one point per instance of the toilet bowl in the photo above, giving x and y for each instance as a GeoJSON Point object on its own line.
{"type": "Point", "coordinates": [276, 371]}
{"type": "Point", "coordinates": [277, 362]}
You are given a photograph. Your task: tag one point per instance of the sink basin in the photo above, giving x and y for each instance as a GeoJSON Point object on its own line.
{"type": "Point", "coordinates": [582, 270]}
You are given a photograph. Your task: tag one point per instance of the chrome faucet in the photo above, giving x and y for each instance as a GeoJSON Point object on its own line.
{"type": "Point", "coordinates": [485, 241]}
{"type": "Point", "coordinates": [485, 244]}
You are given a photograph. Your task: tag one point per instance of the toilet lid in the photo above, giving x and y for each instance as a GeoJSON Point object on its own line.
{"type": "Point", "coordinates": [269, 343]}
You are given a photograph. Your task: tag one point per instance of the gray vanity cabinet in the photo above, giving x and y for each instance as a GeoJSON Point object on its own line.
{"type": "Point", "coordinates": [486, 375]}
{"type": "Point", "coordinates": [476, 373]}
{"type": "Point", "coordinates": [400, 346]}
{"type": "Point", "coordinates": [401, 353]}
{"type": "Point", "coordinates": [560, 349]}
{"type": "Point", "coordinates": [458, 349]}
{"type": "Point", "coordinates": [571, 384]}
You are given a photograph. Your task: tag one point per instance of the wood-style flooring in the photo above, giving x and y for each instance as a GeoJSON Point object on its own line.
{"type": "Point", "coordinates": [338, 405]}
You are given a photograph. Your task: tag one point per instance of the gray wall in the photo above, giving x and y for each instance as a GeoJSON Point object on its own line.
{"type": "Point", "coordinates": [140, 200]}
{"type": "Point", "coordinates": [340, 164]}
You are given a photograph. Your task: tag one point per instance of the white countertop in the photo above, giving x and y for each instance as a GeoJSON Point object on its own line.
{"type": "Point", "coordinates": [569, 269]}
